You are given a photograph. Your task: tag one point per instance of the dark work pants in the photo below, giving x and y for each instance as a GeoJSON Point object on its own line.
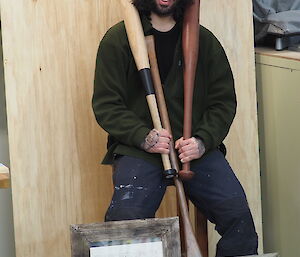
{"type": "Point", "coordinates": [214, 190]}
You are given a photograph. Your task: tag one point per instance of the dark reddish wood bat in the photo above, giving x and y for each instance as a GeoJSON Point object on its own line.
{"type": "Point", "coordinates": [190, 48]}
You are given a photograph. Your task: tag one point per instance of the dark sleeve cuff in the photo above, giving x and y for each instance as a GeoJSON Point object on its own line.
{"type": "Point", "coordinates": [140, 136]}
{"type": "Point", "coordinates": [206, 139]}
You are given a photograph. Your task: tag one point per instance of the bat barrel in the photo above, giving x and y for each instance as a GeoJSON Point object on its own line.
{"type": "Point", "coordinates": [190, 45]}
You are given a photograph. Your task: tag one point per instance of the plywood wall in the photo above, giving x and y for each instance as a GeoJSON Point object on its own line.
{"type": "Point", "coordinates": [55, 143]}
{"type": "Point", "coordinates": [231, 22]}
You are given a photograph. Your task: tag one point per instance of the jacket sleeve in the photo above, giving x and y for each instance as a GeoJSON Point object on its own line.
{"type": "Point", "coordinates": [109, 97]}
{"type": "Point", "coordinates": [221, 99]}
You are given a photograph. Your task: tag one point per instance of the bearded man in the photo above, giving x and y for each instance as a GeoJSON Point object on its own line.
{"type": "Point", "coordinates": [134, 147]}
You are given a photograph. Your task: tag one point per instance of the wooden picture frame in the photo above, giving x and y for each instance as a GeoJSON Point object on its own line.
{"type": "Point", "coordinates": [132, 232]}
{"type": "Point", "coordinates": [265, 255]}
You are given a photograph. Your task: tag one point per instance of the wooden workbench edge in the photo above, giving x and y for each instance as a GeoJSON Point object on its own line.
{"type": "Point", "coordinates": [4, 176]}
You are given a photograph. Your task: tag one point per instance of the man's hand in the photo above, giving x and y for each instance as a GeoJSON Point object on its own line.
{"type": "Point", "coordinates": [189, 149]}
{"type": "Point", "coordinates": [157, 141]}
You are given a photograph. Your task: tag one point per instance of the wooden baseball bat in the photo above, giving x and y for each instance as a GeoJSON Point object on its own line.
{"type": "Point", "coordinates": [190, 45]}
{"type": "Point", "coordinates": [192, 247]}
{"type": "Point", "coordinates": [190, 48]}
{"type": "Point", "coordinates": [138, 47]}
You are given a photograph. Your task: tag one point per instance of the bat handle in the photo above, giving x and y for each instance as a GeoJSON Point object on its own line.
{"type": "Point", "coordinates": [168, 172]}
{"type": "Point", "coordinates": [189, 75]}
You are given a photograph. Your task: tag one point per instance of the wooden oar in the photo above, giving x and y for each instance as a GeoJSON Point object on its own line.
{"type": "Point", "coordinates": [191, 245]}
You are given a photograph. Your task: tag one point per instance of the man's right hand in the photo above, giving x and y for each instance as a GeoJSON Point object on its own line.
{"type": "Point", "coordinates": [157, 141]}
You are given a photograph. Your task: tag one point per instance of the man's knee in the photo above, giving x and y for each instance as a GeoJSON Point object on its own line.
{"type": "Point", "coordinates": [228, 212]}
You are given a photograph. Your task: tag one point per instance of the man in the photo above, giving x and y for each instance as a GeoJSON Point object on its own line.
{"type": "Point", "coordinates": [134, 148]}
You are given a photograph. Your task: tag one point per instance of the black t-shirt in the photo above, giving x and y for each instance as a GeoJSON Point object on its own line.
{"type": "Point", "coordinates": [165, 44]}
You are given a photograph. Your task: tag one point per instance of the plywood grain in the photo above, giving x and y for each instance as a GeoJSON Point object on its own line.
{"type": "Point", "coordinates": [55, 144]}
{"type": "Point", "coordinates": [231, 22]}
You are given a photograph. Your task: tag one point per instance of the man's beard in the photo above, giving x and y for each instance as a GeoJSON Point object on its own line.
{"type": "Point", "coordinates": [163, 11]}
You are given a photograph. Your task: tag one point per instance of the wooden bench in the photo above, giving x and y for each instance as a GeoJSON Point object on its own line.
{"type": "Point", "coordinates": [4, 176]}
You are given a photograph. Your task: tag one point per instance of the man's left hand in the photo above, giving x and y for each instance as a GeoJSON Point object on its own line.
{"type": "Point", "coordinates": [189, 149]}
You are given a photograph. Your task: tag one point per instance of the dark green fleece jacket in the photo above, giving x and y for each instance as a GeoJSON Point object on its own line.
{"type": "Point", "coordinates": [119, 100]}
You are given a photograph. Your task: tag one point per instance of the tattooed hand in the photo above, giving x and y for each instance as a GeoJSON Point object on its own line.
{"type": "Point", "coordinates": [157, 141]}
{"type": "Point", "coordinates": [189, 149]}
